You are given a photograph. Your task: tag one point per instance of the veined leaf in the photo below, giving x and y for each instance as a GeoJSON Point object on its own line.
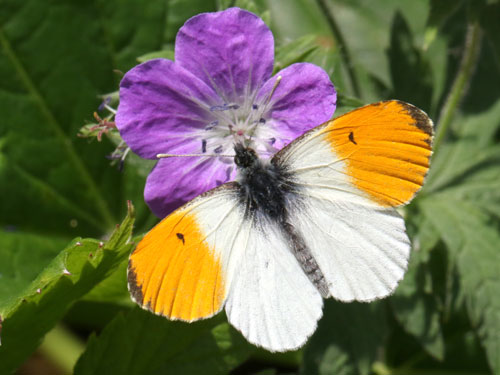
{"type": "Point", "coordinates": [22, 255]}
{"type": "Point", "coordinates": [154, 345]}
{"type": "Point", "coordinates": [416, 308]}
{"type": "Point", "coordinates": [461, 202]}
{"type": "Point", "coordinates": [56, 57]}
{"type": "Point", "coordinates": [70, 275]}
{"type": "Point", "coordinates": [347, 339]}
{"type": "Point", "coordinates": [473, 242]}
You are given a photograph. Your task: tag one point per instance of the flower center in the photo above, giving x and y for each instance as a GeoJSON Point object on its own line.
{"type": "Point", "coordinates": [248, 122]}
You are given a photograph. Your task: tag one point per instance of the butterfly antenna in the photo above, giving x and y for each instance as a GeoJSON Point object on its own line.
{"type": "Point", "coordinates": [162, 156]}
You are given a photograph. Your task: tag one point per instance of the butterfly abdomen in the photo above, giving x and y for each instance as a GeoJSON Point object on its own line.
{"type": "Point", "coordinates": [305, 258]}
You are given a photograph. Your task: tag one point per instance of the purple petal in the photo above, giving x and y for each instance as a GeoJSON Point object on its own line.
{"type": "Point", "coordinates": [161, 104]}
{"type": "Point", "coordinates": [232, 51]}
{"type": "Point", "coordinates": [304, 98]}
{"type": "Point", "coordinates": [175, 181]}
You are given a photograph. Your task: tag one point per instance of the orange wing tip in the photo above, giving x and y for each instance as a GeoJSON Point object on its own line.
{"type": "Point", "coordinates": [175, 272]}
{"type": "Point", "coordinates": [386, 147]}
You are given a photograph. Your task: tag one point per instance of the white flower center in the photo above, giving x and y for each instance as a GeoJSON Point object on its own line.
{"type": "Point", "coordinates": [248, 122]}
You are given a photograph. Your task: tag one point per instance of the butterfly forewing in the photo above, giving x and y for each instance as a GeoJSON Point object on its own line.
{"type": "Point", "coordinates": [350, 173]}
{"type": "Point", "coordinates": [180, 268]}
{"type": "Point", "coordinates": [379, 153]}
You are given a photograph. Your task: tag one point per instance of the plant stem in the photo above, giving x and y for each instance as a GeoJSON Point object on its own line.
{"type": "Point", "coordinates": [62, 348]}
{"type": "Point", "coordinates": [459, 87]}
{"type": "Point", "coordinates": [344, 51]}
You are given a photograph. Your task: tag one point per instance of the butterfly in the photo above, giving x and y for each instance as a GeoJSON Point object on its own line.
{"type": "Point", "coordinates": [316, 221]}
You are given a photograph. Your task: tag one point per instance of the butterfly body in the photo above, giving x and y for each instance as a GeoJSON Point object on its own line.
{"type": "Point", "coordinates": [268, 192]}
{"type": "Point", "coordinates": [317, 220]}
{"type": "Point", "coordinates": [265, 187]}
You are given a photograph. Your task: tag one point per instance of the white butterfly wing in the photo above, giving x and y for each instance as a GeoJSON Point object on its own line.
{"type": "Point", "coordinates": [351, 173]}
{"type": "Point", "coordinates": [362, 252]}
{"type": "Point", "coordinates": [271, 300]}
{"type": "Point", "coordinates": [207, 255]}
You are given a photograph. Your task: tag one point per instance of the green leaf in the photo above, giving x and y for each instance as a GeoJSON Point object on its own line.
{"type": "Point", "coordinates": [462, 202]}
{"type": "Point", "coordinates": [163, 54]}
{"type": "Point", "coordinates": [295, 51]}
{"type": "Point", "coordinates": [23, 255]}
{"type": "Point", "coordinates": [347, 339]}
{"type": "Point", "coordinates": [180, 10]}
{"type": "Point", "coordinates": [130, 28]}
{"type": "Point", "coordinates": [441, 10]}
{"type": "Point", "coordinates": [417, 309]}
{"type": "Point", "coordinates": [154, 345]}
{"type": "Point", "coordinates": [56, 57]}
{"type": "Point", "coordinates": [491, 26]}
{"type": "Point", "coordinates": [473, 242]}
{"type": "Point", "coordinates": [224, 4]}
{"type": "Point", "coordinates": [112, 289]}
{"type": "Point", "coordinates": [436, 54]}
{"type": "Point", "coordinates": [469, 169]}
{"type": "Point", "coordinates": [316, 49]}
{"type": "Point", "coordinates": [471, 155]}
{"type": "Point", "coordinates": [215, 352]}
{"type": "Point", "coordinates": [363, 24]}
{"type": "Point", "coordinates": [67, 278]}
{"type": "Point", "coordinates": [410, 72]}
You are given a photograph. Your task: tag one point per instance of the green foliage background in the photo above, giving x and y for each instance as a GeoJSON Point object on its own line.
{"type": "Point", "coordinates": [57, 56]}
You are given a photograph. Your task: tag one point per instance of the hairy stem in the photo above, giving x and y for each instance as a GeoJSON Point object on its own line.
{"type": "Point", "coordinates": [459, 87]}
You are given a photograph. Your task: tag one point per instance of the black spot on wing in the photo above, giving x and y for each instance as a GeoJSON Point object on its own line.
{"type": "Point", "coordinates": [351, 138]}
{"type": "Point", "coordinates": [180, 236]}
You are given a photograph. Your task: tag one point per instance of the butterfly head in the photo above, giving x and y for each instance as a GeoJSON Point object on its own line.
{"type": "Point", "coordinates": [245, 156]}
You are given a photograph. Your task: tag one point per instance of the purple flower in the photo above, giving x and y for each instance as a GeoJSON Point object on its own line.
{"type": "Point", "coordinates": [218, 91]}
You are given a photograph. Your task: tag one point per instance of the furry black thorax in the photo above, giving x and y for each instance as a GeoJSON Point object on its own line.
{"type": "Point", "coordinates": [265, 187]}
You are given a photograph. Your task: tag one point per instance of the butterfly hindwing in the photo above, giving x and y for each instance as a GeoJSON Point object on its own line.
{"type": "Point", "coordinates": [350, 173]}
{"type": "Point", "coordinates": [362, 252]}
{"type": "Point", "coordinates": [208, 254]}
{"type": "Point", "coordinates": [272, 302]}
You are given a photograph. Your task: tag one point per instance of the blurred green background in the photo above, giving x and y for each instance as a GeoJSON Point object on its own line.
{"type": "Point", "coordinates": [58, 56]}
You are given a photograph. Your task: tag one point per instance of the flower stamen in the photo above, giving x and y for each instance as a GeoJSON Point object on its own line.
{"type": "Point", "coordinates": [276, 83]}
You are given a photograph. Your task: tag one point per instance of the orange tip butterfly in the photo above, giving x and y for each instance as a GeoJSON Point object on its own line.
{"type": "Point", "coordinates": [316, 221]}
